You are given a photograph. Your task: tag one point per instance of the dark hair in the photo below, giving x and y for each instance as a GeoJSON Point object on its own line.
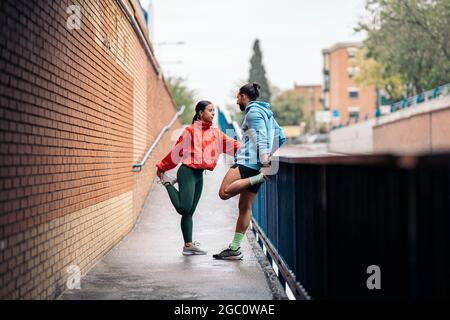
{"type": "Point", "coordinates": [201, 105]}
{"type": "Point", "coordinates": [251, 90]}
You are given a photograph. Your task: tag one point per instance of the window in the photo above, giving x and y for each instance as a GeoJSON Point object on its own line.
{"type": "Point", "coordinates": [353, 93]}
{"type": "Point", "coordinates": [353, 112]}
{"type": "Point", "coordinates": [352, 71]}
{"type": "Point", "coordinates": [352, 52]}
{"type": "Point", "coordinates": [326, 62]}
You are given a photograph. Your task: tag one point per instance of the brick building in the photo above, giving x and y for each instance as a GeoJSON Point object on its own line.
{"type": "Point", "coordinates": [78, 107]}
{"type": "Point", "coordinates": [311, 95]}
{"type": "Point", "coordinates": [340, 94]}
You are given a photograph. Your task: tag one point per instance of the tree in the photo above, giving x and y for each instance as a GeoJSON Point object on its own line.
{"type": "Point", "coordinates": [258, 72]}
{"type": "Point", "coordinates": [288, 108]}
{"type": "Point", "coordinates": [373, 73]}
{"type": "Point", "coordinates": [411, 38]}
{"type": "Point", "coordinates": [182, 96]}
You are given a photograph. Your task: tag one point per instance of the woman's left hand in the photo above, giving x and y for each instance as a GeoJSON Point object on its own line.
{"type": "Point", "coordinates": [159, 173]}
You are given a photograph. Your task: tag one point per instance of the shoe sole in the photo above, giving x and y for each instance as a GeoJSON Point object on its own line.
{"type": "Point", "coordinates": [194, 254]}
{"type": "Point", "coordinates": [239, 257]}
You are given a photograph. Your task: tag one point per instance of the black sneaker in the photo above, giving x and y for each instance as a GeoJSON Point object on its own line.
{"type": "Point", "coordinates": [229, 254]}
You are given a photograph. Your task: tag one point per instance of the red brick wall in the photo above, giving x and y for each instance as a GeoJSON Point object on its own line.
{"type": "Point", "coordinates": [428, 132]}
{"type": "Point", "coordinates": [77, 109]}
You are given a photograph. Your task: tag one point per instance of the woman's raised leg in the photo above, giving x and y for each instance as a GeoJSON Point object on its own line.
{"type": "Point", "coordinates": [183, 198]}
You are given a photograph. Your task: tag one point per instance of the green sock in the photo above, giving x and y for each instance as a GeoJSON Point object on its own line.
{"type": "Point", "coordinates": [236, 243]}
{"type": "Point", "coordinates": [256, 179]}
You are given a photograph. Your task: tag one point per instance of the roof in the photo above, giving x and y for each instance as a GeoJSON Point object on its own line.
{"type": "Point", "coordinates": [340, 45]}
{"type": "Point", "coordinates": [307, 85]}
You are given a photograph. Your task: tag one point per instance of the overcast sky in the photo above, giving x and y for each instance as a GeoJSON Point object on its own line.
{"type": "Point", "coordinates": [219, 35]}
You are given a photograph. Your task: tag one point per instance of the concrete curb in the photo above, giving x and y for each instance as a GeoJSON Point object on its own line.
{"type": "Point", "coordinates": [278, 292]}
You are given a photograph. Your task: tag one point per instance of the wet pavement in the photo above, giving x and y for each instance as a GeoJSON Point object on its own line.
{"type": "Point", "coordinates": [148, 264]}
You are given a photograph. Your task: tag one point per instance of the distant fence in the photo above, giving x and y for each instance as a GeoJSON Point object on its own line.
{"type": "Point", "coordinates": [333, 226]}
{"type": "Point", "coordinates": [433, 94]}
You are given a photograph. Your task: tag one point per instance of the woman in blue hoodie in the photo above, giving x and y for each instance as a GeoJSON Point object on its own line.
{"type": "Point", "coordinates": [261, 136]}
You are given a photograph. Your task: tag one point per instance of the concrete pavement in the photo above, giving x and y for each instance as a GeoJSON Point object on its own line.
{"type": "Point", "coordinates": [148, 263]}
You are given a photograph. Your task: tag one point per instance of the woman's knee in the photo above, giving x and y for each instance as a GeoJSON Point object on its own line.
{"type": "Point", "coordinates": [184, 210]}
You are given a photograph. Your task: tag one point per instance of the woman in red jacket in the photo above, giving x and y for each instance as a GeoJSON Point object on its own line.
{"type": "Point", "coordinates": [198, 148]}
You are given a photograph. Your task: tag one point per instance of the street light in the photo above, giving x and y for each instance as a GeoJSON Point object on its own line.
{"type": "Point", "coordinates": [172, 62]}
{"type": "Point", "coordinates": [173, 43]}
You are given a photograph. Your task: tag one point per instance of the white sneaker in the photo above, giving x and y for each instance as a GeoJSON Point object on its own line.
{"type": "Point", "coordinates": [193, 250]}
{"type": "Point", "coordinates": [167, 179]}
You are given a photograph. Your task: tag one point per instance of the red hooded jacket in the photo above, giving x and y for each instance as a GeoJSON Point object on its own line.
{"type": "Point", "coordinates": [199, 147]}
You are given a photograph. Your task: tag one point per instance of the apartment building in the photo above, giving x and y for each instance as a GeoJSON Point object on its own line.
{"type": "Point", "coordinates": [312, 98]}
{"type": "Point", "coordinates": [340, 95]}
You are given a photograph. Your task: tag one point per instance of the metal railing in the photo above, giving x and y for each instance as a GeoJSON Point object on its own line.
{"type": "Point", "coordinates": [328, 220]}
{"type": "Point", "coordinates": [421, 98]}
{"type": "Point", "coordinates": [138, 166]}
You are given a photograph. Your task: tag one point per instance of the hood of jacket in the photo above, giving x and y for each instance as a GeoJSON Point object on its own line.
{"type": "Point", "coordinates": [260, 105]}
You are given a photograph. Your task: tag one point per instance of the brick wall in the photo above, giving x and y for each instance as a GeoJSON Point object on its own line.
{"type": "Point", "coordinates": [421, 132]}
{"type": "Point", "coordinates": [78, 108]}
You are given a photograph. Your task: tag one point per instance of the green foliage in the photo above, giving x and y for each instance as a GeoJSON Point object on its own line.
{"type": "Point", "coordinates": [258, 72]}
{"type": "Point", "coordinates": [182, 96]}
{"type": "Point", "coordinates": [288, 108]}
{"type": "Point", "coordinates": [309, 123]}
{"type": "Point", "coordinates": [373, 73]}
{"type": "Point", "coordinates": [410, 38]}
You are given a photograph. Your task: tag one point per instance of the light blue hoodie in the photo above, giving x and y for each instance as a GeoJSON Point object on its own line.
{"type": "Point", "coordinates": [260, 132]}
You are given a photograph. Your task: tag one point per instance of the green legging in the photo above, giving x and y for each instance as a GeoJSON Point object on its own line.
{"type": "Point", "coordinates": [185, 200]}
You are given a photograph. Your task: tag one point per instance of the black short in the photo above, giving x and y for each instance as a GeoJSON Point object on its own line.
{"type": "Point", "coordinates": [247, 172]}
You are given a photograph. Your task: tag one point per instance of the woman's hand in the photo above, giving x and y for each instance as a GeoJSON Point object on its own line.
{"type": "Point", "coordinates": [159, 173]}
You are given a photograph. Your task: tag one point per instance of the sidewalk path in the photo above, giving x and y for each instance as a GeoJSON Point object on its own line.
{"type": "Point", "coordinates": [148, 263]}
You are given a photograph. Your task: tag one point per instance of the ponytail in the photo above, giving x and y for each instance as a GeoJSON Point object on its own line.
{"type": "Point", "coordinates": [195, 117]}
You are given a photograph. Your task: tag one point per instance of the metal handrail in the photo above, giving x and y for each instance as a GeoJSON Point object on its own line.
{"type": "Point", "coordinates": [138, 166]}
{"type": "Point", "coordinates": [421, 98]}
